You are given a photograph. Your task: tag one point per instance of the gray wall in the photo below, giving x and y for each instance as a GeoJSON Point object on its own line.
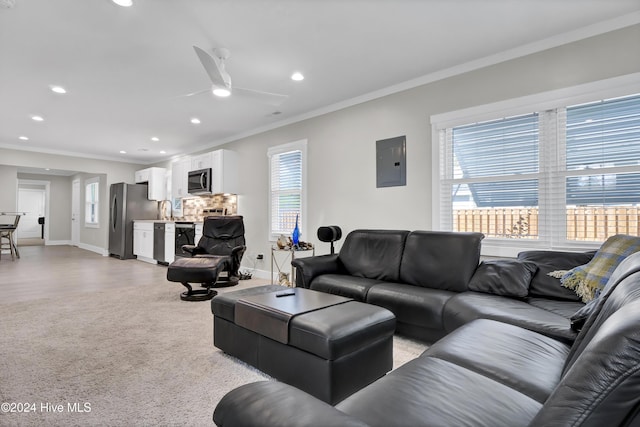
{"type": "Point", "coordinates": [8, 188]}
{"type": "Point", "coordinates": [59, 220]}
{"type": "Point", "coordinates": [108, 171]}
{"type": "Point", "coordinates": [341, 145]}
{"type": "Point", "coordinates": [96, 237]}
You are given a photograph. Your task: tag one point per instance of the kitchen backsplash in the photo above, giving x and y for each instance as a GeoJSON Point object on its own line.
{"type": "Point", "coordinates": [193, 208]}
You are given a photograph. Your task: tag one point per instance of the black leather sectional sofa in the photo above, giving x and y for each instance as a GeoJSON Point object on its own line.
{"type": "Point", "coordinates": [503, 360]}
{"type": "Point", "coordinates": [432, 282]}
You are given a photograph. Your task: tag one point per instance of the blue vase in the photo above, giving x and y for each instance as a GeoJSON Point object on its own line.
{"type": "Point", "coordinates": [295, 236]}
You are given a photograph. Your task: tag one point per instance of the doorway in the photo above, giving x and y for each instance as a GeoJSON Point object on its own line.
{"type": "Point", "coordinates": [33, 200]}
{"type": "Point", "coordinates": [75, 213]}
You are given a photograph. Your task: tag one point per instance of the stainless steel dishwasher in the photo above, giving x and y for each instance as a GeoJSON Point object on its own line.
{"type": "Point", "coordinates": [158, 243]}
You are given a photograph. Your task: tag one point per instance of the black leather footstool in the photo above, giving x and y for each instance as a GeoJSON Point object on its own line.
{"type": "Point", "coordinates": [329, 352]}
{"type": "Point", "coordinates": [203, 270]}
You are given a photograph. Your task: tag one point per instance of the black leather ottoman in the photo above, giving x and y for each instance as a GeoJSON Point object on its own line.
{"type": "Point", "coordinates": [330, 352]}
{"type": "Point", "coordinates": [196, 270]}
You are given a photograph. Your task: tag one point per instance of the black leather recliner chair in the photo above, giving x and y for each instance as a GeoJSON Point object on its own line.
{"type": "Point", "coordinates": [219, 250]}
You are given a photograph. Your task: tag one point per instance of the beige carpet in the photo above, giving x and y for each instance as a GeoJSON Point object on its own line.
{"type": "Point", "coordinates": [125, 357]}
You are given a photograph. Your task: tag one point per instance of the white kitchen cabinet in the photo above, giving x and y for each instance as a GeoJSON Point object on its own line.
{"type": "Point", "coordinates": [142, 176]}
{"type": "Point", "coordinates": [180, 178]}
{"type": "Point", "coordinates": [169, 242]}
{"type": "Point", "coordinates": [143, 241]}
{"type": "Point", "coordinates": [198, 234]}
{"type": "Point", "coordinates": [224, 169]}
{"type": "Point", "coordinates": [224, 172]}
{"type": "Point", "coordinates": [202, 161]}
{"type": "Point", "coordinates": [156, 180]}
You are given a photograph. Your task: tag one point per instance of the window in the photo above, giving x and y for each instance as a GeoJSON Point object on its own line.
{"type": "Point", "coordinates": [561, 177]}
{"type": "Point", "coordinates": [92, 196]}
{"type": "Point", "coordinates": [287, 188]}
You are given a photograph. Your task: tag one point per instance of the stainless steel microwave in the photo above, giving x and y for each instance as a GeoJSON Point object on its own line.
{"type": "Point", "coordinates": [200, 181]}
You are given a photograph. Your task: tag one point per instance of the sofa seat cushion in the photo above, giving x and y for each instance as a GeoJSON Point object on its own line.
{"type": "Point", "coordinates": [521, 359]}
{"type": "Point", "coordinates": [344, 285]}
{"type": "Point", "coordinates": [559, 307]}
{"type": "Point", "coordinates": [467, 306]}
{"type": "Point", "coordinates": [428, 391]}
{"type": "Point", "coordinates": [411, 304]}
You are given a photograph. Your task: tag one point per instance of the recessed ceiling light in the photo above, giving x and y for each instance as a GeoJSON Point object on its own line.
{"type": "Point", "coordinates": [123, 152]}
{"type": "Point", "coordinates": [47, 169]}
{"type": "Point", "coordinates": [24, 138]}
{"type": "Point", "coordinates": [123, 3]}
{"type": "Point", "coordinates": [195, 121]}
{"type": "Point", "coordinates": [57, 89]}
{"type": "Point", "coordinates": [297, 76]}
{"type": "Point", "coordinates": [155, 138]}
{"type": "Point", "coordinates": [37, 118]}
{"type": "Point", "coordinates": [163, 152]}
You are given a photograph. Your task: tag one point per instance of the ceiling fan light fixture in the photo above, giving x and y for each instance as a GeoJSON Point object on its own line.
{"type": "Point", "coordinates": [57, 89]}
{"type": "Point", "coordinates": [221, 92]}
{"type": "Point", "coordinates": [123, 3]}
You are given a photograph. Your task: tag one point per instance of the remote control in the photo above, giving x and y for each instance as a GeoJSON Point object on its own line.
{"type": "Point", "coordinates": [285, 294]}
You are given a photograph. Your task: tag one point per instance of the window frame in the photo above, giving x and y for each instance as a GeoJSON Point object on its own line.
{"type": "Point", "coordinates": [90, 182]}
{"type": "Point", "coordinates": [300, 145]}
{"type": "Point", "coordinates": [544, 103]}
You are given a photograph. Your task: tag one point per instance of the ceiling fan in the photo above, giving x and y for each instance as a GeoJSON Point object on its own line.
{"type": "Point", "coordinates": [221, 81]}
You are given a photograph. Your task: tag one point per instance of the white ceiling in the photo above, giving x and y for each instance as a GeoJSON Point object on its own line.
{"type": "Point", "coordinates": [125, 68]}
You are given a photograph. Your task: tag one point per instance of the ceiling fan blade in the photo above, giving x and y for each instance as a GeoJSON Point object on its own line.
{"type": "Point", "coordinates": [212, 66]}
{"type": "Point", "coordinates": [199, 92]}
{"type": "Point", "coordinates": [275, 99]}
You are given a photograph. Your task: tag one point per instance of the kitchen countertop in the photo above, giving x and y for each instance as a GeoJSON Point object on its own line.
{"type": "Point", "coordinates": [165, 221]}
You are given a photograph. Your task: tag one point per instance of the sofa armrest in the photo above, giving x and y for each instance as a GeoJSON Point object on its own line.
{"type": "Point", "coordinates": [271, 403]}
{"type": "Point", "coordinates": [308, 268]}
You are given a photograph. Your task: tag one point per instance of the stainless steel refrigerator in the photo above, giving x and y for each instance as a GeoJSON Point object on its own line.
{"type": "Point", "coordinates": [127, 202]}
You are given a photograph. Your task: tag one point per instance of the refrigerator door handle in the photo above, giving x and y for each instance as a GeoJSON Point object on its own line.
{"type": "Point", "coordinates": [114, 212]}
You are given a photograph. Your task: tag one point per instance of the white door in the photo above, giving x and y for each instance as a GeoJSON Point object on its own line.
{"type": "Point", "coordinates": [32, 202]}
{"type": "Point", "coordinates": [75, 213]}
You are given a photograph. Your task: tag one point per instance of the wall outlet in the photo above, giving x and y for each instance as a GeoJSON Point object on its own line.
{"type": "Point", "coordinates": [260, 256]}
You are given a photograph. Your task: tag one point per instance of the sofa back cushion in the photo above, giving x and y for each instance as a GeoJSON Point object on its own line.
{"type": "Point", "coordinates": [622, 288]}
{"type": "Point", "coordinates": [373, 254]}
{"type": "Point", "coordinates": [543, 285]}
{"type": "Point", "coordinates": [440, 259]}
{"type": "Point", "coordinates": [601, 382]}
{"type": "Point", "coordinates": [504, 277]}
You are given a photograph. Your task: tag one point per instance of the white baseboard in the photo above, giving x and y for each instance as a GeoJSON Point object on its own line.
{"type": "Point", "coordinates": [96, 249]}
{"type": "Point", "coordinates": [257, 274]}
{"type": "Point", "coordinates": [145, 259]}
{"type": "Point", "coordinates": [92, 248]}
{"type": "Point", "coordinates": [57, 242]}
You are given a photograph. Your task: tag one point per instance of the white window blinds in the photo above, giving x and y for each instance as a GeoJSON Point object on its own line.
{"type": "Point", "coordinates": [563, 175]}
{"type": "Point", "coordinates": [286, 189]}
{"type": "Point", "coordinates": [91, 197]}
{"type": "Point", "coordinates": [492, 181]}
